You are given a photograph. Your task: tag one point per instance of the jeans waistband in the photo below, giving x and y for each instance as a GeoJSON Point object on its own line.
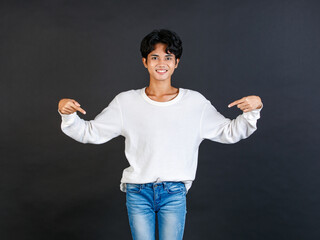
{"type": "Point", "coordinates": [153, 184]}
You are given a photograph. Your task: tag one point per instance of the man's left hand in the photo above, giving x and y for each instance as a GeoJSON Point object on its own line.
{"type": "Point", "coordinates": [247, 104]}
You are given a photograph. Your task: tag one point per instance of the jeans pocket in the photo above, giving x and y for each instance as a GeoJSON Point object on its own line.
{"type": "Point", "coordinates": [133, 187]}
{"type": "Point", "coordinates": [175, 187]}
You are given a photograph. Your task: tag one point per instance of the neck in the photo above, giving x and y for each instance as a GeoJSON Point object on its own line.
{"type": "Point", "coordinates": [160, 87]}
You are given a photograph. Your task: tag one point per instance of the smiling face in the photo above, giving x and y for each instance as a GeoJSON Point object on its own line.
{"type": "Point", "coordinates": [160, 64]}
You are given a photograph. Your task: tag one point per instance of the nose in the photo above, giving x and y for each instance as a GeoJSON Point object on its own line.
{"type": "Point", "coordinates": [161, 62]}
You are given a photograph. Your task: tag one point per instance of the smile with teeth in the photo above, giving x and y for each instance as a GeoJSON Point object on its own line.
{"type": "Point", "coordinates": [161, 70]}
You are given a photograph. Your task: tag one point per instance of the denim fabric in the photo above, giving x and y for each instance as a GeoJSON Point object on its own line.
{"type": "Point", "coordinates": [164, 200]}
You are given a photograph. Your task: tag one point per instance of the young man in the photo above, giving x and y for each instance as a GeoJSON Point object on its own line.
{"type": "Point", "coordinates": [163, 127]}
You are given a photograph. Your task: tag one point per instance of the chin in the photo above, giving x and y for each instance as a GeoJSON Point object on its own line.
{"type": "Point", "coordinates": [162, 80]}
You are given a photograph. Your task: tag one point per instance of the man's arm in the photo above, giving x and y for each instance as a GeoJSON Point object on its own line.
{"type": "Point", "coordinates": [215, 127]}
{"type": "Point", "coordinates": [105, 126]}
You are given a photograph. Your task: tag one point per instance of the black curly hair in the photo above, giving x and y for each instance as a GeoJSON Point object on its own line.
{"type": "Point", "coordinates": [173, 41]}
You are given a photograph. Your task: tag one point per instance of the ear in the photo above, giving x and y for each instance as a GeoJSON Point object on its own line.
{"type": "Point", "coordinates": [144, 61]}
{"type": "Point", "coordinates": [177, 62]}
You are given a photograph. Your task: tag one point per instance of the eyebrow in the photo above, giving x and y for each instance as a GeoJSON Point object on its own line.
{"type": "Point", "coordinates": [167, 55]}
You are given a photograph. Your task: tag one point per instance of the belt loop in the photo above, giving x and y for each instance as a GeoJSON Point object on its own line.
{"type": "Point", "coordinates": [164, 185]}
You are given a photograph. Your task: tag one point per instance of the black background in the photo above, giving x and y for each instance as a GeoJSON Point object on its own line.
{"type": "Point", "coordinates": [263, 187]}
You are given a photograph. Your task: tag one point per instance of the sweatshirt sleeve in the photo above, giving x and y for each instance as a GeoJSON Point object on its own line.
{"type": "Point", "coordinates": [104, 127]}
{"type": "Point", "coordinates": [215, 127]}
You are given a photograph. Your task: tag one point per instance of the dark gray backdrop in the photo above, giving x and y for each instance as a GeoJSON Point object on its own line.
{"type": "Point", "coordinates": [264, 187]}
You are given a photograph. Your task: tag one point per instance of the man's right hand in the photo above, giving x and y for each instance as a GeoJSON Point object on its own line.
{"type": "Point", "coordinates": [69, 106]}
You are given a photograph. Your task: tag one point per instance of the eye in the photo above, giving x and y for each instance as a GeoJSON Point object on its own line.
{"type": "Point", "coordinates": [169, 58]}
{"type": "Point", "coordinates": [153, 58]}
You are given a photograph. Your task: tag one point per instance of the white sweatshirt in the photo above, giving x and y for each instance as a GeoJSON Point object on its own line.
{"type": "Point", "coordinates": [161, 138]}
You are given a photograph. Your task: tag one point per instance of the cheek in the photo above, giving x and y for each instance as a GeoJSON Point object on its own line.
{"type": "Point", "coordinates": [150, 70]}
{"type": "Point", "coordinates": [151, 66]}
{"type": "Point", "coordinates": [173, 67]}
{"type": "Point", "coordinates": [173, 64]}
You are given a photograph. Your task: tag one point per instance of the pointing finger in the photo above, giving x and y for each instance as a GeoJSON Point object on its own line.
{"type": "Point", "coordinates": [81, 110]}
{"type": "Point", "coordinates": [235, 102]}
{"type": "Point", "coordinates": [242, 105]}
{"type": "Point", "coordinates": [78, 109]}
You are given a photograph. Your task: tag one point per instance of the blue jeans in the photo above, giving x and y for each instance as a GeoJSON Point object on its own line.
{"type": "Point", "coordinates": [166, 200]}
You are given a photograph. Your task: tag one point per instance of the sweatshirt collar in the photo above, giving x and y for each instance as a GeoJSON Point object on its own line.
{"type": "Point", "coordinates": [167, 103]}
